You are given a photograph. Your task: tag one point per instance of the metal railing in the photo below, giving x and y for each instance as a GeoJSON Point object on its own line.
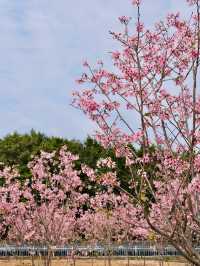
{"type": "Point", "coordinates": [135, 250]}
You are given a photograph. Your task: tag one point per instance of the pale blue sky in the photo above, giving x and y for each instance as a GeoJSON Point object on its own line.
{"type": "Point", "coordinates": [42, 46]}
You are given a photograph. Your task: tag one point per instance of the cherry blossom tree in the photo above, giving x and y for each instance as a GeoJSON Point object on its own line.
{"type": "Point", "coordinates": [43, 210]}
{"type": "Point", "coordinates": [152, 100]}
{"type": "Point", "coordinates": [111, 217]}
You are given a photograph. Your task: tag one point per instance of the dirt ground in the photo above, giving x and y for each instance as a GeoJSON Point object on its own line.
{"type": "Point", "coordinates": [90, 262]}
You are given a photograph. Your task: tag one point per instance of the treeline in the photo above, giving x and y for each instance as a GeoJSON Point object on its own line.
{"type": "Point", "coordinates": [17, 150]}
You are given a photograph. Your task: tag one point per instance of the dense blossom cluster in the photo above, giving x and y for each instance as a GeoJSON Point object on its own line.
{"type": "Point", "coordinates": [52, 208]}
{"type": "Point", "coordinates": [43, 210]}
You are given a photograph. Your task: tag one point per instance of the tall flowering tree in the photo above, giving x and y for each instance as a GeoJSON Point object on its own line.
{"type": "Point", "coordinates": [45, 209]}
{"type": "Point", "coordinates": [152, 100]}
